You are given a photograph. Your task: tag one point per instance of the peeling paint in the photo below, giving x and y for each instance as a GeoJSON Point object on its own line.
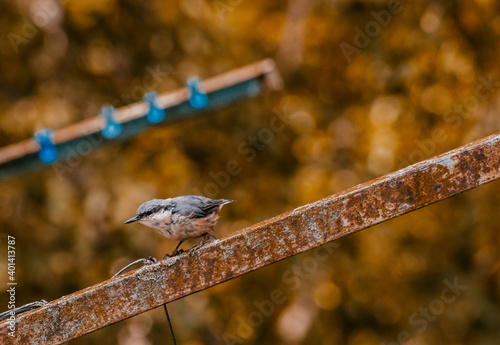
{"type": "Point", "coordinates": [403, 207]}
{"type": "Point", "coordinates": [448, 163]}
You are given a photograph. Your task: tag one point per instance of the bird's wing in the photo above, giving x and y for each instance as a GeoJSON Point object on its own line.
{"type": "Point", "coordinates": [197, 207]}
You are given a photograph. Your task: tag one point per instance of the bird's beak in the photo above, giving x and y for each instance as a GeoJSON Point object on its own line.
{"type": "Point", "coordinates": [131, 220]}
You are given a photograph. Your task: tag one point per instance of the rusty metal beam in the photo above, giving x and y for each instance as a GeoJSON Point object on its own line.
{"type": "Point", "coordinates": [259, 245]}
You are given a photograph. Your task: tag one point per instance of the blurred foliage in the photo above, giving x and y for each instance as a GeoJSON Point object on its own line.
{"type": "Point", "coordinates": [418, 82]}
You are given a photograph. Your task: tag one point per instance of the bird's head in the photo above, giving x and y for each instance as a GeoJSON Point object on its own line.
{"type": "Point", "coordinates": [149, 210]}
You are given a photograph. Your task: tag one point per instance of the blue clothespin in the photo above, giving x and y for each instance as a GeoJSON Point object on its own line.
{"type": "Point", "coordinates": [155, 113]}
{"type": "Point", "coordinates": [48, 150]}
{"type": "Point", "coordinates": [197, 97]}
{"type": "Point", "coordinates": [111, 128]}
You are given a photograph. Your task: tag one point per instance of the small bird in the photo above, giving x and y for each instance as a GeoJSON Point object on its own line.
{"type": "Point", "coordinates": [181, 218]}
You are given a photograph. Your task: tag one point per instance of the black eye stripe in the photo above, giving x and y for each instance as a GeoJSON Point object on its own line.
{"type": "Point", "coordinates": [151, 211]}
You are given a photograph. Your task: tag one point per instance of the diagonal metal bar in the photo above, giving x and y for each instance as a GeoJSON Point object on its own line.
{"type": "Point", "coordinates": [259, 245]}
{"type": "Point", "coordinates": [222, 90]}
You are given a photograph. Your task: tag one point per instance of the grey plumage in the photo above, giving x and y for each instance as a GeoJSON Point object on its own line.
{"type": "Point", "coordinates": [182, 217]}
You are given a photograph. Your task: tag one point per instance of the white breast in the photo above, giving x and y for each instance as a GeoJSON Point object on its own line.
{"type": "Point", "coordinates": [161, 221]}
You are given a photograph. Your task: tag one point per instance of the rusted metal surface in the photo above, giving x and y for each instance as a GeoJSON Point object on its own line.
{"type": "Point", "coordinates": [259, 245]}
{"type": "Point", "coordinates": [224, 89]}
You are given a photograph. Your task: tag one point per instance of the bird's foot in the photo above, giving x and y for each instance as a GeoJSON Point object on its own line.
{"type": "Point", "coordinates": [174, 253]}
{"type": "Point", "coordinates": [205, 238]}
{"type": "Point", "coordinates": [207, 235]}
{"type": "Point", "coordinates": [193, 248]}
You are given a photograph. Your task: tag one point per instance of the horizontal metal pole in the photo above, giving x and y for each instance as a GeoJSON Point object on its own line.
{"type": "Point", "coordinates": [259, 245]}
{"type": "Point", "coordinates": [222, 90]}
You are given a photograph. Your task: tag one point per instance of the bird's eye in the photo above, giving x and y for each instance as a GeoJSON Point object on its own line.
{"type": "Point", "coordinates": [145, 214]}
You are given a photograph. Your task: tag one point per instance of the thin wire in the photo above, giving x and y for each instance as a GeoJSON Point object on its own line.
{"type": "Point", "coordinates": [148, 262]}
{"type": "Point", "coordinates": [144, 261]}
{"type": "Point", "coordinates": [169, 323]}
{"type": "Point", "coordinates": [22, 309]}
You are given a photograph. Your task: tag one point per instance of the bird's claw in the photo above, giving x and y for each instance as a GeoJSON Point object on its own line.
{"type": "Point", "coordinates": [174, 253]}
{"type": "Point", "coordinates": [204, 240]}
{"type": "Point", "coordinates": [213, 238]}
{"type": "Point", "coordinates": [193, 248]}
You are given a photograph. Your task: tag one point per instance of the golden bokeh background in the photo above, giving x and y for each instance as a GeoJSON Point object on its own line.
{"type": "Point", "coordinates": [369, 87]}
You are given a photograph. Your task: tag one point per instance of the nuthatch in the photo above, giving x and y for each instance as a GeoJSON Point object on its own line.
{"type": "Point", "coordinates": [181, 218]}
